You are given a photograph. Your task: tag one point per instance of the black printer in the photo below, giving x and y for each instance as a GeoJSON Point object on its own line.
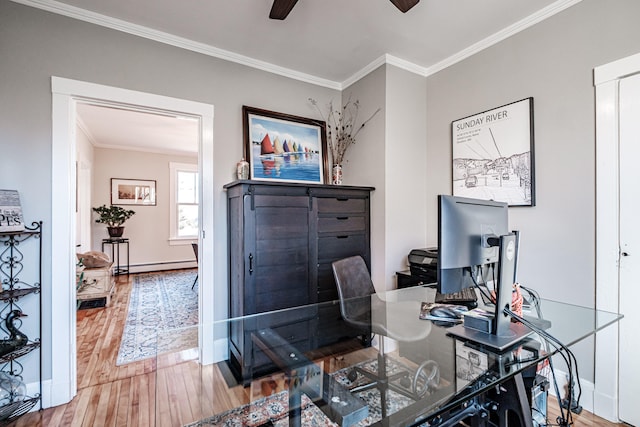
{"type": "Point", "coordinates": [423, 264]}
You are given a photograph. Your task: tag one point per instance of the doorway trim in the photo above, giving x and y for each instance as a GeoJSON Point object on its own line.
{"type": "Point", "coordinates": [65, 94]}
{"type": "Point", "coordinates": [606, 81]}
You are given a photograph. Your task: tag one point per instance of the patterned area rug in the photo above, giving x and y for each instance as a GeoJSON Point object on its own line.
{"type": "Point", "coordinates": [268, 411]}
{"type": "Point", "coordinates": [160, 302]}
{"type": "Point", "coordinates": [273, 410]}
{"type": "Point", "coordinates": [395, 400]}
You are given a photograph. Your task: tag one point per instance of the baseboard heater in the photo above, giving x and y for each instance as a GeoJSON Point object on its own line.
{"type": "Point", "coordinates": [159, 266]}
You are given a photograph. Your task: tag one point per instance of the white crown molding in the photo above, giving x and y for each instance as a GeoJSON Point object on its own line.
{"type": "Point", "coordinates": [166, 38]}
{"type": "Point", "coordinates": [406, 65]}
{"type": "Point", "coordinates": [364, 71]}
{"type": "Point", "coordinates": [83, 127]}
{"type": "Point", "coordinates": [389, 60]}
{"type": "Point", "coordinates": [521, 25]}
{"type": "Point", "coordinates": [152, 150]}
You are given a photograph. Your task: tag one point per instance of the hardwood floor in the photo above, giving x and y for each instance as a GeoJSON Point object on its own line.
{"type": "Point", "coordinates": [172, 391]}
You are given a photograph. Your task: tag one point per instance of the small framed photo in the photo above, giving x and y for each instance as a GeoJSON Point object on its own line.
{"type": "Point", "coordinates": [493, 155]}
{"type": "Point", "coordinates": [285, 148]}
{"type": "Point", "coordinates": [133, 192]}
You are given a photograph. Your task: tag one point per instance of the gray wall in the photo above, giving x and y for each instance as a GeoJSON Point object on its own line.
{"type": "Point", "coordinates": [552, 62]}
{"type": "Point", "coordinates": [365, 162]}
{"type": "Point", "coordinates": [389, 155]}
{"type": "Point", "coordinates": [406, 174]}
{"type": "Point", "coordinates": [35, 45]}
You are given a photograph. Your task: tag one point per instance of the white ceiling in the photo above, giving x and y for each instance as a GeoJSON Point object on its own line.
{"type": "Point", "coordinates": [109, 127]}
{"type": "Point", "coordinates": [326, 42]}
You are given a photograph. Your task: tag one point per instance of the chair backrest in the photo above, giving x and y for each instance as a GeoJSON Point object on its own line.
{"type": "Point", "coordinates": [354, 285]}
{"type": "Point", "coordinates": [194, 246]}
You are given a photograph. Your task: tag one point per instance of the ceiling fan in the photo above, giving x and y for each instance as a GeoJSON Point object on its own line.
{"type": "Point", "coordinates": [281, 8]}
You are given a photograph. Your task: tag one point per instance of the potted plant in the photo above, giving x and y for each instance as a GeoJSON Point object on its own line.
{"type": "Point", "coordinates": [113, 217]}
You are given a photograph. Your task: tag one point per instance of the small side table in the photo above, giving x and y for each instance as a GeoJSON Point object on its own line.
{"type": "Point", "coordinates": [115, 243]}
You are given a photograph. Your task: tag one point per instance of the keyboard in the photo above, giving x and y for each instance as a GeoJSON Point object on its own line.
{"type": "Point", "coordinates": [466, 297]}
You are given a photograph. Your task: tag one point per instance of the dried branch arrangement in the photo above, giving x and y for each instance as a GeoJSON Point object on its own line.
{"type": "Point", "coordinates": [341, 127]}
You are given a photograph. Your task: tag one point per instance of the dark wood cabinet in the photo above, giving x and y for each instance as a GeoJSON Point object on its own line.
{"type": "Point", "coordinates": [282, 240]}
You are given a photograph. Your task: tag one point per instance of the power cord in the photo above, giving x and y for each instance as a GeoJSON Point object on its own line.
{"type": "Point", "coordinates": [570, 402]}
{"type": "Point", "coordinates": [485, 295]}
{"type": "Point", "coordinates": [569, 359]}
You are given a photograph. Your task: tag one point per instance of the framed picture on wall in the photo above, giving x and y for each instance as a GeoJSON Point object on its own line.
{"type": "Point", "coordinates": [493, 154]}
{"type": "Point", "coordinates": [285, 148]}
{"type": "Point", "coordinates": [133, 192]}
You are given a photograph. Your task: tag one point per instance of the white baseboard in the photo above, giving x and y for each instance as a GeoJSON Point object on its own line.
{"type": "Point", "coordinates": [586, 399]}
{"type": "Point", "coordinates": [606, 407]}
{"type": "Point", "coordinates": [160, 266]}
{"type": "Point", "coordinates": [34, 389]}
{"type": "Point", "coordinates": [221, 351]}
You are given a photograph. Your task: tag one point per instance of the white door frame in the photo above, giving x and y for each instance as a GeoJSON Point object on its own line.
{"type": "Point", "coordinates": [606, 80]}
{"type": "Point", "coordinates": [66, 93]}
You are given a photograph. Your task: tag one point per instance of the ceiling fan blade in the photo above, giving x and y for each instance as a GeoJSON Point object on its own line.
{"type": "Point", "coordinates": [404, 5]}
{"type": "Point", "coordinates": [281, 8]}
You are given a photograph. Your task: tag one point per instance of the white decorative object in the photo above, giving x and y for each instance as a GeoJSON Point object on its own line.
{"type": "Point", "coordinates": [10, 211]}
{"type": "Point", "coordinates": [242, 169]}
{"type": "Point", "coordinates": [336, 175]}
{"type": "Point", "coordinates": [11, 389]}
{"type": "Point", "coordinates": [97, 283]}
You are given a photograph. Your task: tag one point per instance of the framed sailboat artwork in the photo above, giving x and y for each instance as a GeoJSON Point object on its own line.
{"type": "Point", "coordinates": [284, 148]}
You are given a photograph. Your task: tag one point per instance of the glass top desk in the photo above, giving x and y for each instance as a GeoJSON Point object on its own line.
{"type": "Point", "coordinates": [426, 377]}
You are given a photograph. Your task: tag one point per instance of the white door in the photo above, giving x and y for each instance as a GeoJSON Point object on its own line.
{"type": "Point", "coordinates": [629, 410]}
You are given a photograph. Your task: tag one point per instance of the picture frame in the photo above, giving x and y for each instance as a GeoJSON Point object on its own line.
{"type": "Point", "coordinates": [493, 154]}
{"type": "Point", "coordinates": [284, 148]}
{"type": "Point", "coordinates": [141, 192]}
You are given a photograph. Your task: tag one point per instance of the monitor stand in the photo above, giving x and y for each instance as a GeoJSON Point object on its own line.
{"type": "Point", "coordinates": [516, 333]}
{"type": "Point", "coordinates": [504, 334]}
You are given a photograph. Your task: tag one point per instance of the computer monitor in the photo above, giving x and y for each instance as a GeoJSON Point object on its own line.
{"type": "Point", "coordinates": [467, 229]}
{"type": "Point", "coordinates": [474, 237]}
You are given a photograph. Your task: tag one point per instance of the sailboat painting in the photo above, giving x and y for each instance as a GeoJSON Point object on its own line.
{"type": "Point", "coordinates": [286, 148]}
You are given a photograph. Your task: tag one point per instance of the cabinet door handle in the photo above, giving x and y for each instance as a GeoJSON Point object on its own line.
{"type": "Point", "coordinates": [250, 263]}
{"type": "Point", "coordinates": [342, 237]}
{"type": "Point", "coordinates": [342, 218]}
{"type": "Point", "coordinates": [342, 199]}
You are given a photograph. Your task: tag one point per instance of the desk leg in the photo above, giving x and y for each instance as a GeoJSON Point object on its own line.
{"type": "Point", "coordinates": [295, 400]}
{"type": "Point", "coordinates": [513, 405]}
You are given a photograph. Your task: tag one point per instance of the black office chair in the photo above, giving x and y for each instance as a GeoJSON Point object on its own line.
{"type": "Point", "coordinates": [361, 308]}
{"type": "Point", "coordinates": [194, 246]}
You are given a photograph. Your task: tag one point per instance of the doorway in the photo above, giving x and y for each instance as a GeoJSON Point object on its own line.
{"type": "Point", "coordinates": [122, 141]}
{"type": "Point", "coordinates": [611, 394]}
{"type": "Point", "coordinates": [66, 94]}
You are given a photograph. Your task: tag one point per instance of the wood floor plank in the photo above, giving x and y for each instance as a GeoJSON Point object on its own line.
{"type": "Point", "coordinates": [103, 407]}
{"type": "Point", "coordinates": [123, 406]}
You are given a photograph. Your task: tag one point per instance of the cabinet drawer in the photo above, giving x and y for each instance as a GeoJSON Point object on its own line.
{"type": "Point", "coordinates": [337, 247]}
{"type": "Point", "coordinates": [286, 319]}
{"type": "Point", "coordinates": [96, 282]}
{"type": "Point", "coordinates": [341, 223]}
{"type": "Point", "coordinates": [327, 290]}
{"type": "Point", "coordinates": [341, 205]}
{"type": "Point", "coordinates": [334, 328]}
{"type": "Point", "coordinates": [296, 334]}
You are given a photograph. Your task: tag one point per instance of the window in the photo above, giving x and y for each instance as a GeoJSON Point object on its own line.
{"type": "Point", "coordinates": [184, 202]}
